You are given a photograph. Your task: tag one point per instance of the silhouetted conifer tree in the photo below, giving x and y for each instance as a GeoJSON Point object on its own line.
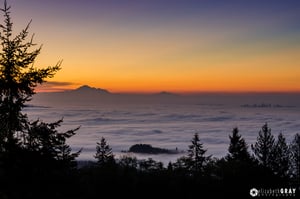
{"type": "Point", "coordinates": [170, 166]}
{"type": "Point", "coordinates": [18, 78]}
{"type": "Point", "coordinates": [28, 150]}
{"type": "Point", "coordinates": [238, 149]}
{"type": "Point", "coordinates": [182, 163]}
{"type": "Point", "coordinates": [295, 159]}
{"type": "Point", "coordinates": [104, 153]}
{"type": "Point", "coordinates": [264, 147]}
{"type": "Point", "coordinates": [280, 165]}
{"type": "Point", "coordinates": [150, 165]}
{"type": "Point", "coordinates": [44, 139]}
{"type": "Point", "coordinates": [127, 161]}
{"type": "Point", "coordinates": [196, 155]}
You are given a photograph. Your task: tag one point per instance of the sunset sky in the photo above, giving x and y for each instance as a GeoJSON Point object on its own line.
{"type": "Point", "coordinates": [170, 45]}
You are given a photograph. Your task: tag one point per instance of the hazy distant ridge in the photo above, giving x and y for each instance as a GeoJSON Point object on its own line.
{"type": "Point", "coordinates": [87, 89]}
{"type": "Point", "coordinates": [86, 95]}
{"type": "Point", "coordinates": [90, 95]}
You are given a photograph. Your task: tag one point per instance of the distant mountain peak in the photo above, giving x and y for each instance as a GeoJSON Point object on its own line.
{"type": "Point", "coordinates": [86, 88]}
{"type": "Point", "coordinates": [165, 93]}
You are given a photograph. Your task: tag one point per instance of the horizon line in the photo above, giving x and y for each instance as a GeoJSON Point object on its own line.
{"type": "Point", "coordinates": [199, 92]}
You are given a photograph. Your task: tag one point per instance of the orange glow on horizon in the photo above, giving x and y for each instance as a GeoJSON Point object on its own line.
{"type": "Point", "coordinates": [190, 89]}
{"type": "Point", "coordinates": [135, 49]}
{"type": "Point", "coordinates": [218, 72]}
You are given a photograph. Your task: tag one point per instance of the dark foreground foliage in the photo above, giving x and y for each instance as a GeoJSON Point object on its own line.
{"type": "Point", "coordinates": [195, 175]}
{"type": "Point", "coordinates": [192, 176]}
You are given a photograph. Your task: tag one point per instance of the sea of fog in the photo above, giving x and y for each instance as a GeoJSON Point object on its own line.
{"type": "Point", "coordinates": [167, 121]}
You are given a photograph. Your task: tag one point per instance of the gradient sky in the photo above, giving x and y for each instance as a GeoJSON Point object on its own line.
{"type": "Point", "coordinates": [172, 45]}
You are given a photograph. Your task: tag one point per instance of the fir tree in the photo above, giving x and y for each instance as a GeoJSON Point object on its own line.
{"type": "Point", "coordinates": [127, 161]}
{"type": "Point", "coordinates": [150, 165]}
{"type": "Point", "coordinates": [264, 147]}
{"type": "Point", "coordinates": [182, 163]}
{"type": "Point", "coordinates": [44, 139]}
{"type": "Point", "coordinates": [196, 155]}
{"type": "Point", "coordinates": [295, 159]}
{"type": "Point", "coordinates": [104, 153]}
{"type": "Point", "coordinates": [18, 78]}
{"type": "Point", "coordinates": [281, 157]}
{"type": "Point", "coordinates": [32, 154]}
{"type": "Point", "coordinates": [238, 149]}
